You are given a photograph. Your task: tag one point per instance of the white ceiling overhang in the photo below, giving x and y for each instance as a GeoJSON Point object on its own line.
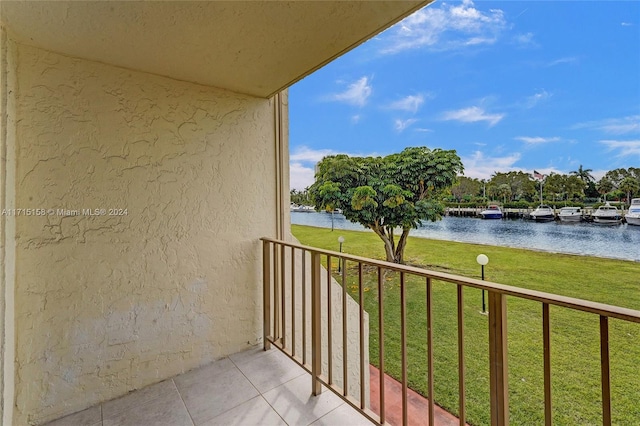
{"type": "Point", "coordinates": [252, 47]}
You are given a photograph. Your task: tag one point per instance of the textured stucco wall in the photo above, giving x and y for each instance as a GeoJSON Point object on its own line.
{"type": "Point", "coordinates": [106, 304]}
{"type": "Point", "coordinates": [8, 64]}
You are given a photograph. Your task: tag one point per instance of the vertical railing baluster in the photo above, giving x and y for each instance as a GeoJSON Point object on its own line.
{"type": "Point", "coordinates": [498, 370]}
{"type": "Point", "coordinates": [381, 344]}
{"type": "Point", "coordinates": [362, 366]}
{"type": "Point", "coordinates": [304, 307]}
{"type": "Point", "coordinates": [329, 334]}
{"type": "Point", "coordinates": [316, 323]}
{"type": "Point", "coordinates": [345, 382]}
{"type": "Point", "coordinates": [461, 386]}
{"type": "Point", "coordinates": [276, 292]}
{"type": "Point", "coordinates": [403, 343]}
{"type": "Point", "coordinates": [430, 353]}
{"type": "Point", "coordinates": [293, 301]}
{"type": "Point", "coordinates": [604, 370]}
{"type": "Point", "coordinates": [546, 345]}
{"type": "Point", "coordinates": [266, 294]}
{"type": "Point", "coordinates": [283, 288]}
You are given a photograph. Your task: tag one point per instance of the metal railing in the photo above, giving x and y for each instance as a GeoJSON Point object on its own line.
{"type": "Point", "coordinates": [282, 326]}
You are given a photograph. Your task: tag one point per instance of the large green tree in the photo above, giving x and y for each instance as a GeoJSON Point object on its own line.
{"type": "Point", "coordinates": [563, 187]}
{"type": "Point", "coordinates": [520, 184]}
{"type": "Point", "coordinates": [629, 186]}
{"type": "Point", "coordinates": [616, 176]}
{"type": "Point", "coordinates": [386, 194]}
{"type": "Point", "coordinates": [613, 180]}
{"type": "Point", "coordinates": [605, 186]}
{"type": "Point", "coordinates": [466, 188]}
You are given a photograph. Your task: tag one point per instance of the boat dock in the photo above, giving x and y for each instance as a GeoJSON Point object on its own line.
{"type": "Point", "coordinates": [475, 212]}
{"type": "Point", "coordinates": [506, 212]}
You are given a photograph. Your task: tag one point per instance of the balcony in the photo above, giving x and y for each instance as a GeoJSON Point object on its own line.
{"type": "Point", "coordinates": [248, 388]}
{"type": "Point", "coordinates": [303, 381]}
{"type": "Point", "coordinates": [310, 316]}
{"type": "Point", "coordinates": [253, 387]}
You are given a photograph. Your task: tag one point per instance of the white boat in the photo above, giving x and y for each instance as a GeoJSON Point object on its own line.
{"type": "Point", "coordinates": [543, 213]}
{"type": "Point", "coordinates": [633, 215]}
{"type": "Point", "coordinates": [607, 214]}
{"type": "Point", "coordinates": [491, 212]}
{"type": "Point", "coordinates": [570, 214]}
{"type": "Point", "coordinates": [302, 209]}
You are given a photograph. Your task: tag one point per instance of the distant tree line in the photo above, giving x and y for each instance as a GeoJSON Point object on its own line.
{"type": "Point", "coordinates": [520, 189]}
{"type": "Point", "coordinates": [302, 198]}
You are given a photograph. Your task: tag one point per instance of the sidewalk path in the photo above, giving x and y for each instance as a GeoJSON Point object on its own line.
{"type": "Point", "coordinates": [417, 405]}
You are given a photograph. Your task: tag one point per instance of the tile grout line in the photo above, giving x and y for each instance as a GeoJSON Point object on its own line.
{"type": "Point", "coordinates": [326, 414]}
{"type": "Point", "coordinates": [257, 390]}
{"type": "Point", "coordinates": [287, 359]}
{"type": "Point", "coordinates": [193, 422]}
{"type": "Point", "coordinates": [235, 406]}
{"type": "Point", "coordinates": [261, 394]}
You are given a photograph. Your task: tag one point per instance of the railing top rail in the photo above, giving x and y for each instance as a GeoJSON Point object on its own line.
{"type": "Point", "coordinates": [626, 314]}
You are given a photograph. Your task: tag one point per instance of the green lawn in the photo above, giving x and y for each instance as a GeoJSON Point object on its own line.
{"type": "Point", "coordinates": [575, 346]}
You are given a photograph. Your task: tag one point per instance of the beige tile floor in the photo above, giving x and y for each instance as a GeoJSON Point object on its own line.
{"type": "Point", "coordinates": [253, 387]}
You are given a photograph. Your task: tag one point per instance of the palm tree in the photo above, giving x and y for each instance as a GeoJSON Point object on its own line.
{"type": "Point", "coordinates": [630, 186]}
{"type": "Point", "coordinates": [584, 174]}
{"type": "Point", "coordinates": [505, 191]}
{"type": "Point", "coordinates": [604, 187]}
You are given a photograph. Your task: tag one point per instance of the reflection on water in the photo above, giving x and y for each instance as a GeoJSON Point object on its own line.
{"type": "Point", "coordinates": [615, 241]}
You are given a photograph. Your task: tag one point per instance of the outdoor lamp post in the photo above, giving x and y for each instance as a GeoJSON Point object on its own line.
{"type": "Point", "coordinates": [482, 259]}
{"type": "Point", "coordinates": [340, 240]}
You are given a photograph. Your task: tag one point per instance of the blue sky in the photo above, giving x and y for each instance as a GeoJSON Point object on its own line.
{"type": "Point", "coordinates": [510, 85]}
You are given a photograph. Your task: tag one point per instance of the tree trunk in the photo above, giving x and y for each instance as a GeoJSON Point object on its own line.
{"type": "Point", "coordinates": [389, 248]}
{"type": "Point", "coordinates": [399, 254]}
{"type": "Point", "coordinates": [394, 253]}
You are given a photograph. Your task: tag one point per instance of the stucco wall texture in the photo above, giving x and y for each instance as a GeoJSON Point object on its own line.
{"type": "Point", "coordinates": [110, 303]}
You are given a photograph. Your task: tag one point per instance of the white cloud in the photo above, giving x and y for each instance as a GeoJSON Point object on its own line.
{"type": "Point", "coordinates": [400, 125]}
{"type": "Point", "coordinates": [300, 176]}
{"type": "Point", "coordinates": [599, 174]}
{"type": "Point", "coordinates": [481, 167]}
{"type": "Point", "coordinates": [545, 171]}
{"type": "Point", "coordinates": [565, 60]}
{"type": "Point", "coordinates": [303, 153]}
{"type": "Point", "coordinates": [302, 162]}
{"type": "Point", "coordinates": [356, 118]}
{"type": "Point", "coordinates": [624, 148]}
{"type": "Point", "coordinates": [536, 98]}
{"type": "Point", "coordinates": [614, 126]}
{"type": "Point", "coordinates": [450, 26]}
{"type": "Point", "coordinates": [525, 39]}
{"type": "Point", "coordinates": [472, 115]}
{"type": "Point", "coordinates": [620, 128]}
{"type": "Point", "coordinates": [626, 24]}
{"type": "Point", "coordinates": [409, 103]}
{"type": "Point", "coordinates": [356, 93]}
{"type": "Point", "coordinates": [535, 140]}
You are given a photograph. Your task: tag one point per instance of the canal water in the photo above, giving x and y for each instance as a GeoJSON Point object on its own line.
{"type": "Point", "coordinates": [612, 241]}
